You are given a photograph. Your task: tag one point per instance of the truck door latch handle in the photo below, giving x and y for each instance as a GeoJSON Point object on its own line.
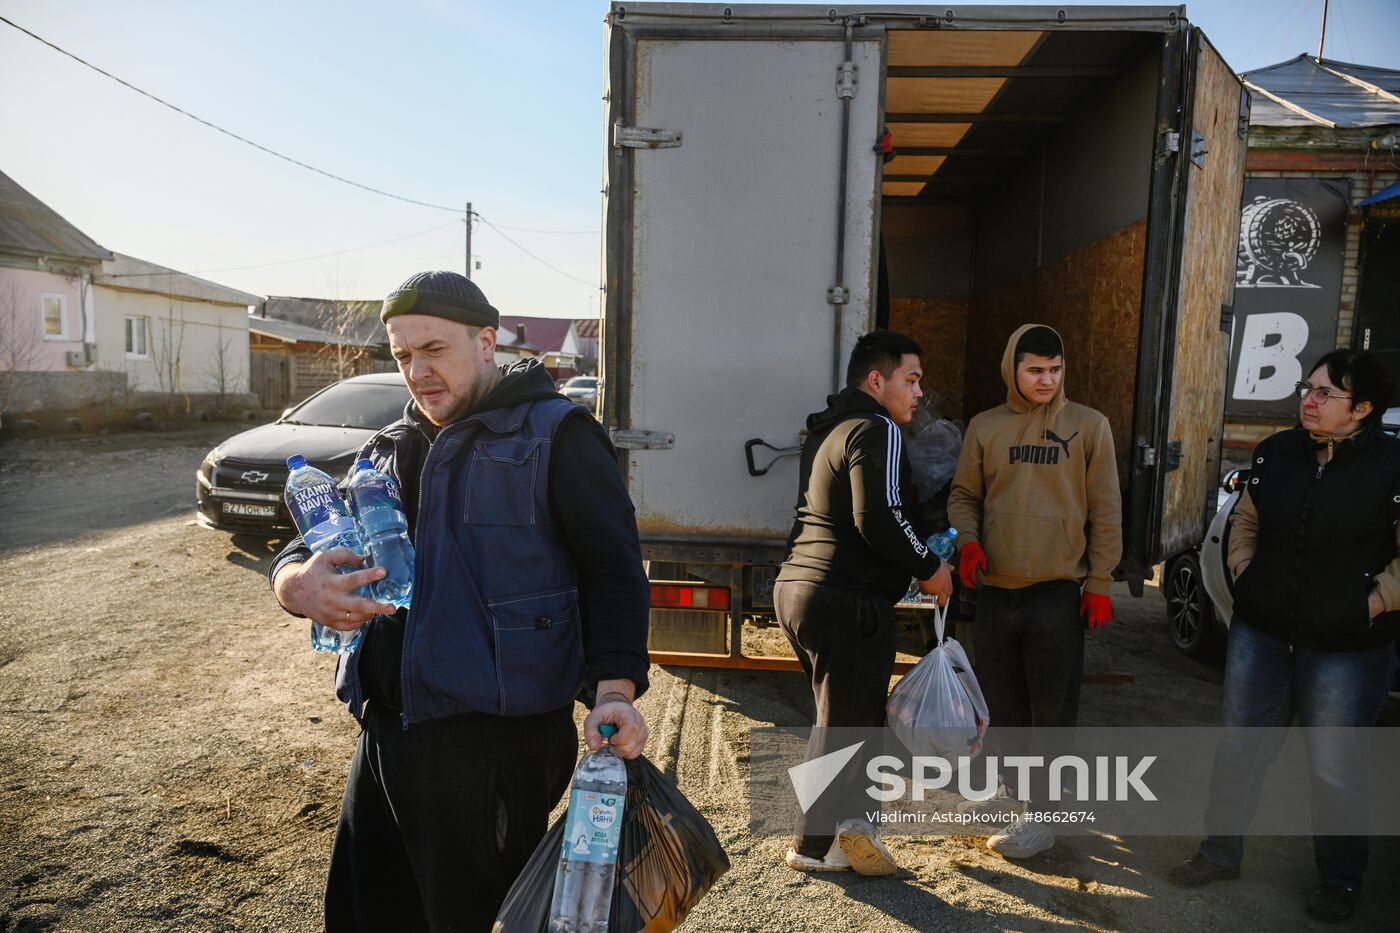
{"type": "Point", "coordinates": [780, 453]}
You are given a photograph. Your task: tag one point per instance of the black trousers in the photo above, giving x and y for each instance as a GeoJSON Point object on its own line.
{"type": "Point", "coordinates": [439, 819]}
{"type": "Point", "coordinates": [845, 641]}
{"type": "Point", "coordinates": [1029, 663]}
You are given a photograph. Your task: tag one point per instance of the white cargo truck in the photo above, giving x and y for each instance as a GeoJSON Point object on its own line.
{"type": "Point", "coordinates": [1075, 166]}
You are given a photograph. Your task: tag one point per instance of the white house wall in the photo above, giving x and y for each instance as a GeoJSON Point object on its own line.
{"type": "Point", "coordinates": [196, 331]}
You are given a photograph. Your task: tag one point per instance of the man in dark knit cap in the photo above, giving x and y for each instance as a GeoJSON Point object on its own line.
{"type": "Point", "coordinates": [529, 591]}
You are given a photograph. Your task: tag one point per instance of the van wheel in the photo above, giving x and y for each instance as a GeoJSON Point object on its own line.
{"type": "Point", "coordinates": [1190, 613]}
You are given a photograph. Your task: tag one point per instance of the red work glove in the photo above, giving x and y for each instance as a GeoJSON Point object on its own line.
{"type": "Point", "coordinates": [971, 559]}
{"type": "Point", "coordinates": [1096, 609]}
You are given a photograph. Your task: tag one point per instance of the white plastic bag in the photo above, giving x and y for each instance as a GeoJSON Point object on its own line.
{"type": "Point", "coordinates": [937, 708]}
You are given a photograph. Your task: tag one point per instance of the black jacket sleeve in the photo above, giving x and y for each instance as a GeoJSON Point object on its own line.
{"type": "Point", "coordinates": [596, 518]}
{"type": "Point", "coordinates": [878, 466]}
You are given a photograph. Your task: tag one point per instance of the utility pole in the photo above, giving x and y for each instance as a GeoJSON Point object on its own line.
{"type": "Point", "coordinates": [1323, 37]}
{"type": "Point", "coordinates": [469, 239]}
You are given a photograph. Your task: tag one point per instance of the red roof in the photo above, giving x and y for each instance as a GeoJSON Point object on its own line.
{"type": "Point", "coordinates": [547, 333]}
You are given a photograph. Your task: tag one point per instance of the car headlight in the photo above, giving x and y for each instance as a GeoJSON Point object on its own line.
{"type": "Point", "coordinates": [205, 473]}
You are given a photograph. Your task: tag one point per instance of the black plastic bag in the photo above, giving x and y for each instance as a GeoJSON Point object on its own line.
{"type": "Point", "coordinates": [668, 857]}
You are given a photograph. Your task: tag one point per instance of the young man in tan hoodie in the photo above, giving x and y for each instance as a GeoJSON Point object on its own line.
{"type": "Point", "coordinates": [1036, 503]}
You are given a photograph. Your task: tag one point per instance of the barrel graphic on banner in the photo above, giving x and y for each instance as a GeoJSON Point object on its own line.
{"type": "Point", "coordinates": [1278, 239]}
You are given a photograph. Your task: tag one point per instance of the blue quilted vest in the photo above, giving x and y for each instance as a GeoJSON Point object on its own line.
{"type": "Point", "coordinates": [494, 627]}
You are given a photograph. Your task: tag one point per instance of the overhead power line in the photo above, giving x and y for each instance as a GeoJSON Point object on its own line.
{"type": "Point", "coordinates": [353, 249]}
{"type": "Point", "coordinates": [538, 230]}
{"type": "Point", "coordinates": [318, 171]}
{"type": "Point", "coordinates": [288, 262]}
{"type": "Point", "coordinates": [213, 126]}
{"type": "Point", "coordinates": [567, 275]}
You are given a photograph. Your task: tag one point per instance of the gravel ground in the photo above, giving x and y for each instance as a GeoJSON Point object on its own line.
{"type": "Point", "coordinates": [171, 756]}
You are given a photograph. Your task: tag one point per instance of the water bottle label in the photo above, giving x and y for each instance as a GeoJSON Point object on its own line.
{"type": "Point", "coordinates": [377, 493]}
{"type": "Point", "coordinates": [312, 506]}
{"type": "Point", "coordinates": [335, 525]}
{"type": "Point", "coordinates": [595, 825]}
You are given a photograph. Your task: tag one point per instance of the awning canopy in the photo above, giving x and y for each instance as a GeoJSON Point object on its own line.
{"type": "Point", "coordinates": [1385, 194]}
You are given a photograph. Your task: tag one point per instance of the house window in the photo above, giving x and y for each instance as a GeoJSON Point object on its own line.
{"type": "Point", "coordinates": [136, 338]}
{"type": "Point", "coordinates": [55, 317]}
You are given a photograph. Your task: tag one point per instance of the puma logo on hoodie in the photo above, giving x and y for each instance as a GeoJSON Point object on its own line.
{"type": "Point", "coordinates": [1036, 453]}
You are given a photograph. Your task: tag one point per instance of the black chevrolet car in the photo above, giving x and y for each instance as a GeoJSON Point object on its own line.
{"type": "Point", "coordinates": [238, 487]}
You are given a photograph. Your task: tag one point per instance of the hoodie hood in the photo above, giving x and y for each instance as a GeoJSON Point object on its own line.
{"type": "Point", "coordinates": [1014, 399]}
{"type": "Point", "coordinates": [521, 381]}
{"type": "Point", "coordinates": [848, 403]}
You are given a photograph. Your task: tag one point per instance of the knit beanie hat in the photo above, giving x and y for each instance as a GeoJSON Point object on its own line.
{"type": "Point", "coordinates": [448, 295]}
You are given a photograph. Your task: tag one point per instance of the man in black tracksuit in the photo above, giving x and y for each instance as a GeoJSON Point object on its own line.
{"type": "Point", "coordinates": [528, 591]}
{"type": "Point", "coordinates": [851, 555]}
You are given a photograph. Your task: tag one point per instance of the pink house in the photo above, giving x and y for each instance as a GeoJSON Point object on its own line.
{"type": "Point", "coordinates": [47, 325]}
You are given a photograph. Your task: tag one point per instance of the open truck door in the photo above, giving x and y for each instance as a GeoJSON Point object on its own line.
{"type": "Point", "coordinates": [1188, 294]}
{"type": "Point", "coordinates": [717, 141]}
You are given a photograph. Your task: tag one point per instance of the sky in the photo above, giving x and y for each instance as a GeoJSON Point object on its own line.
{"type": "Point", "coordinates": [443, 101]}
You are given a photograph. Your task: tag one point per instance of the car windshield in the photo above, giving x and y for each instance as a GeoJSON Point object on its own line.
{"type": "Point", "coordinates": [581, 382]}
{"type": "Point", "coordinates": [353, 405]}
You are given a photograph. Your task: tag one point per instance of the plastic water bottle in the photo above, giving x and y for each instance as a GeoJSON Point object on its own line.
{"type": "Point", "coordinates": [374, 498]}
{"type": "Point", "coordinates": [583, 882]}
{"type": "Point", "coordinates": [944, 545]}
{"type": "Point", "coordinates": [325, 524]}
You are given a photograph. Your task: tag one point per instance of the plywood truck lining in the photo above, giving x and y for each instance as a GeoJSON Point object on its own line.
{"type": "Point", "coordinates": [939, 325]}
{"type": "Point", "coordinates": [1210, 238]}
{"type": "Point", "coordinates": [940, 95]}
{"type": "Point", "coordinates": [1093, 298]}
{"type": "Point", "coordinates": [947, 47]}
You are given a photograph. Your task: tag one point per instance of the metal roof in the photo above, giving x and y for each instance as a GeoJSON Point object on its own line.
{"type": "Point", "coordinates": [1306, 91]}
{"type": "Point", "coordinates": [1385, 194]}
{"type": "Point", "coordinates": [28, 225]}
{"type": "Point", "coordinates": [361, 322]}
{"type": "Point", "coordinates": [289, 332]}
{"type": "Point", "coordinates": [130, 273]}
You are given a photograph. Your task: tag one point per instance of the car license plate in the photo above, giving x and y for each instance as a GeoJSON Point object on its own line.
{"type": "Point", "coordinates": [250, 509]}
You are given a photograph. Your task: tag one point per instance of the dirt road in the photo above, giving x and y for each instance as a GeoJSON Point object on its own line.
{"type": "Point", "coordinates": [171, 757]}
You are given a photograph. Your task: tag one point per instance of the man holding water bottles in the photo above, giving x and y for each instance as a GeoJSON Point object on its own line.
{"type": "Point", "coordinates": [529, 591]}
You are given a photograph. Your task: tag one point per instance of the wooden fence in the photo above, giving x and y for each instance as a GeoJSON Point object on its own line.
{"type": "Point", "coordinates": [270, 379]}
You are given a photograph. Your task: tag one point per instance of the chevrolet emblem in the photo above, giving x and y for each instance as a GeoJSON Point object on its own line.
{"type": "Point", "coordinates": [253, 476]}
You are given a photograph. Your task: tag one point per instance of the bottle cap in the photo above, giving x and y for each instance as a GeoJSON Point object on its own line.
{"type": "Point", "coordinates": [364, 463]}
{"type": "Point", "coordinates": [608, 730]}
{"type": "Point", "coordinates": [951, 532]}
{"type": "Point", "coordinates": [296, 461]}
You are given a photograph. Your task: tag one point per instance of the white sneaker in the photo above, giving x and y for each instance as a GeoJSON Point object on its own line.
{"type": "Point", "coordinates": [864, 850]}
{"type": "Point", "coordinates": [1021, 839]}
{"type": "Point", "coordinates": [834, 860]}
{"type": "Point", "coordinates": [999, 803]}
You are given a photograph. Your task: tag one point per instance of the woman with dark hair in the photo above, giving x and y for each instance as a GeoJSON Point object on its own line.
{"type": "Point", "coordinates": [1316, 557]}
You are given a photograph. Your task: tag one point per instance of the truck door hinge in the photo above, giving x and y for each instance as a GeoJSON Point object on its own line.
{"type": "Point", "coordinates": [836, 295]}
{"type": "Point", "coordinates": [642, 137]}
{"type": "Point", "coordinates": [630, 439]}
{"type": "Point", "coordinates": [1169, 144]}
{"type": "Point", "coordinates": [1147, 456]}
{"type": "Point", "coordinates": [846, 81]}
{"type": "Point", "coordinates": [1198, 150]}
{"type": "Point", "coordinates": [1173, 455]}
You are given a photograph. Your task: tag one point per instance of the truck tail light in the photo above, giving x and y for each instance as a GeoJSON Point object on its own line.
{"type": "Point", "coordinates": [689, 596]}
